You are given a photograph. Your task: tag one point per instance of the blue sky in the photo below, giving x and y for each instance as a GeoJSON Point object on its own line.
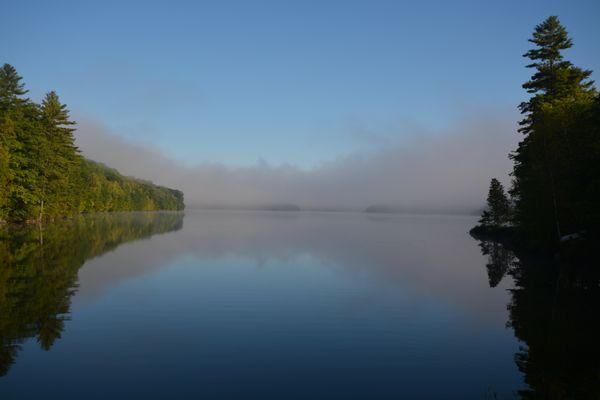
{"type": "Point", "coordinates": [288, 82]}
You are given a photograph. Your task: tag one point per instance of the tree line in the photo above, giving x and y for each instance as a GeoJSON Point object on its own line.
{"type": "Point", "coordinates": [42, 173]}
{"type": "Point", "coordinates": [555, 191]}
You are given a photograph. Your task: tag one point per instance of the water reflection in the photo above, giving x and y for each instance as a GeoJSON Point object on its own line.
{"type": "Point", "coordinates": [500, 261]}
{"type": "Point", "coordinates": [416, 254]}
{"type": "Point", "coordinates": [38, 271]}
{"type": "Point", "coordinates": [258, 304]}
{"type": "Point", "coordinates": [383, 306]}
{"type": "Point", "coordinates": [553, 310]}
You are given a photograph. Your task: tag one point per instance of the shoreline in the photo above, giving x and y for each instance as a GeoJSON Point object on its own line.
{"type": "Point", "coordinates": [581, 250]}
{"type": "Point", "coordinates": [31, 222]}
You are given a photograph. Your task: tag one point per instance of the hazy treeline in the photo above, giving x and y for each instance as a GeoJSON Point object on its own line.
{"type": "Point", "coordinates": [418, 170]}
{"type": "Point", "coordinates": [556, 175]}
{"type": "Point", "coordinates": [38, 270]}
{"type": "Point", "coordinates": [42, 174]}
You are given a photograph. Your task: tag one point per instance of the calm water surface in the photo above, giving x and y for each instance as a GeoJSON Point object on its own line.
{"type": "Point", "coordinates": [274, 305]}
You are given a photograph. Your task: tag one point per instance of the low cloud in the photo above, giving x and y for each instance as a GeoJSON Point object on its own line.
{"type": "Point", "coordinates": [445, 171]}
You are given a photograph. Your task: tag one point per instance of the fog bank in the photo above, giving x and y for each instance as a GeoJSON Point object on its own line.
{"type": "Point", "coordinates": [444, 171]}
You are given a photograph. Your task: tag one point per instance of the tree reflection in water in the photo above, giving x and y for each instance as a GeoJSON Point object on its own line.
{"type": "Point", "coordinates": [500, 261]}
{"type": "Point", "coordinates": [553, 310]}
{"type": "Point", "coordinates": [38, 270]}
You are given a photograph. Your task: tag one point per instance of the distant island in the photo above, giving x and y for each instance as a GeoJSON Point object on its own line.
{"type": "Point", "coordinates": [260, 207]}
{"type": "Point", "coordinates": [281, 207]}
{"type": "Point", "coordinates": [388, 209]}
{"type": "Point", "coordinates": [43, 175]}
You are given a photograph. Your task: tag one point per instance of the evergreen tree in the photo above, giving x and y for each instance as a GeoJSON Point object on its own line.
{"type": "Point", "coordinates": [546, 160]}
{"type": "Point", "coordinates": [498, 206]}
{"type": "Point", "coordinates": [57, 156]}
{"type": "Point", "coordinates": [42, 174]}
{"type": "Point", "coordinates": [554, 77]}
{"type": "Point", "coordinates": [11, 88]}
{"type": "Point", "coordinates": [19, 131]}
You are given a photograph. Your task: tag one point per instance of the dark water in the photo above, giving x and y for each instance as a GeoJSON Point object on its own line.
{"type": "Point", "coordinates": [287, 305]}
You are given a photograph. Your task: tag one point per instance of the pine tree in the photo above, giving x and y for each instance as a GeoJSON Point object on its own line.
{"type": "Point", "coordinates": [18, 128]}
{"type": "Point", "coordinates": [498, 206]}
{"type": "Point", "coordinates": [554, 76]}
{"type": "Point", "coordinates": [11, 88]}
{"type": "Point", "coordinates": [545, 159]}
{"type": "Point", "coordinates": [42, 174]}
{"type": "Point", "coordinates": [57, 155]}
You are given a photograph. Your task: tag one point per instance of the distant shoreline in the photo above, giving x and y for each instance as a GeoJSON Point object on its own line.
{"type": "Point", "coordinates": [331, 210]}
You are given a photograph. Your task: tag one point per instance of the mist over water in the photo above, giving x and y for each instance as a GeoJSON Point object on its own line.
{"type": "Point", "coordinates": [253, 304]}
{"type": "Point", "coordinates": [446, 171]}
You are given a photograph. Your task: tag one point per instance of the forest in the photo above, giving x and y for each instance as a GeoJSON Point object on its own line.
{"type": "Point", "coordinates": [44, 176]}
{"type": "Point", "coordinates": [555, 192]}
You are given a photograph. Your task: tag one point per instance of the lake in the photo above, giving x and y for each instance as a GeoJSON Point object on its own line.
{"type": "Point", "coordinates": [286, 305]}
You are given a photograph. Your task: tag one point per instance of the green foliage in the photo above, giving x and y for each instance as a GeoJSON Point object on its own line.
{"type": "Point", "coordinates": [39, 265]}
{"type": "Point", "coordinates": [556, 165]}
{"type": "Point", "coordinates": [107, 190]}
{"type": "Point", "coordinates": [42, 174]}
{"type": "Point", "coordinates": [11, 88]}
{"type": "Point", "coordinates": [497, 212]}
